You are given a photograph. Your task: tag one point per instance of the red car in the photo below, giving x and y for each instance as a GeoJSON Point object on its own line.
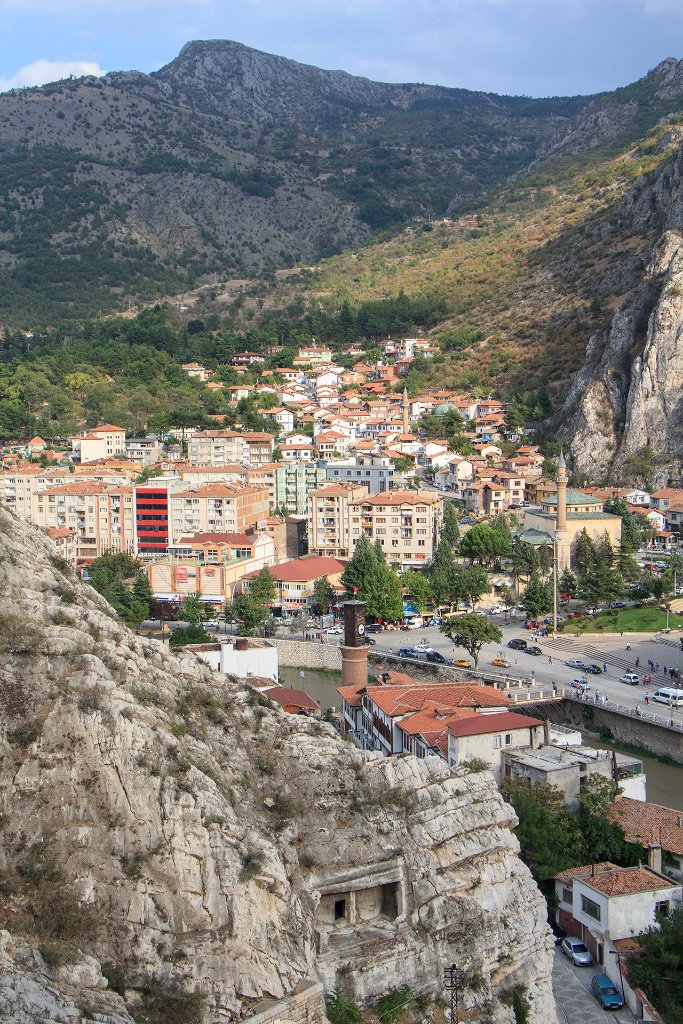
{"type": "Point", "coordinates": [532, 624]}
{"type": "Point", "coordinates": [576, 615]}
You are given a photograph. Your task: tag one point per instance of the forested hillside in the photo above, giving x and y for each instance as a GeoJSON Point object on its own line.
{"type": "Point", "coordinates": [230, 162]}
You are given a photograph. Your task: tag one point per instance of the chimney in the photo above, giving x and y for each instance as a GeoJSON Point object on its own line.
{"type": "Point", "coordinates": [241, 643]}
{"type": "Point", "coordinates": [546, 731]}
{"type": "Point", "coordinates": [654, 858]}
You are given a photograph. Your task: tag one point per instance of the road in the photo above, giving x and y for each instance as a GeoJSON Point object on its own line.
{"type": "Point", "coordinates": [576, 1004]}
{"type": "Point", "coordinates": [610, 648]}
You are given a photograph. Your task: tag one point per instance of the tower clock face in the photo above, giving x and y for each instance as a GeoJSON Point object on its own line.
{"type": "Point", "coordinates": [361, 629]}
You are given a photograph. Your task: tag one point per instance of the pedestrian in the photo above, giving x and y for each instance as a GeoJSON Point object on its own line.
{"type": "Point", "coordinates": [657, 667]}
{"type": "Point", "coordinates": [550, 660]}
{"type": "Point", "coordinates": [637, 662]}
{"type": "Point", "coordinates": [597, 695]}
{"type": "Point", "coordinates": [647, 698]}
{"type": "Point", "coordinates": [637, 712]}
{"type": "Point", "coordinates": [604, 666]}
{"type": "Point", "coordinates": [628, 646]}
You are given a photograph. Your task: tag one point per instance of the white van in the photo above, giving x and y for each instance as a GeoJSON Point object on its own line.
{"type": "Point", "coordinates": [667, 695]}
{"type": "Point", "coordinates": [415, 623]}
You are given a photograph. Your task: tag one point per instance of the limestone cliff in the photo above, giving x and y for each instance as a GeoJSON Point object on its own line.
{"type": "Point", "coordinates": [204, 851]}
{"type": "Point", "coordinates": [628, 393]}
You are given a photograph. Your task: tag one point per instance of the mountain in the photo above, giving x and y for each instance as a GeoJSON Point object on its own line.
{"type": "Point", "coordinates": [173, 844]}
{"type": "Point", "coordinates": [233, 162]}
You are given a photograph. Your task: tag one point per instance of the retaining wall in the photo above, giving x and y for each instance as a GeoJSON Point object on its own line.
{"type": "Point", "coordinates": [305, 1006]}
{"type": "Point", "coordinates": [307, 654]}
{"type": "Point", "coordinates": [655, 738]}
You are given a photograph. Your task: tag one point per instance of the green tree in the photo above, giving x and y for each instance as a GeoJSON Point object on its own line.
{"type": "Point", "coordinates": [601, 580]}
{"type": "Point", "coordinates": [537, 599]}
{"type": "Point", "coordinates": [417, 588]}
{"type": "Point", "coordinates": [191, 610]}
{"type": "Point", "coordinates": [524, 559]}
{"type": "Point", "coordinates": [548, 832]}
{"type": "Point", "coordinates": [584, 553]}
{"type": "Point", "coordinates": [445, 576]}
{"type": "Point", "coordinates": [358, 566]}
{"type": "Point", "coordinates": [249, 613]}
{"type": "Point", "coordinates": [474, 583]}
{"type": "Point", "coordinates": [192, 634]}
{"type": "Point", "coordinates": [323, 595]}
{"type": "Point", "coordinates": [567, 583]}
{"type": "Point", "coordinates": [142, 591]}
{"type": "Point", "coordinates": [471, 632]}
{"type": "Point", "coordinates": [483, 543]}
{"type": "Point", "coordinates": [263, 589]}
{"type": "Point", "coordinates": [450, 530]}
{"type": "Point", "coordinates": [381, 591]}
{"type": "Point", "coordinates": [658, 970]}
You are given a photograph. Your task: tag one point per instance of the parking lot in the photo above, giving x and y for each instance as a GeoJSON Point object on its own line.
{"type": "Point", "coordinates": [576, 1004]}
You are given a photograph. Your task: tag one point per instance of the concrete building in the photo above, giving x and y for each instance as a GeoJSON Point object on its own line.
{"type": "Point", "coordinates": [102, 442]}
{"type": "Point", "coordinates": [244, 657]}
{"type": "Point", "coordinates": [603, 903]}
{"type": "Point", "coordinates": [212, 570]}
{"type": "Point", "coordinates": [226, 447]}
{"type": "Point", "coordinates": [406, 523]}
{"type": "Point", "coordinates": [487, 737]}
{"type": "Point", "coordinates": [295, 581]}
{"type": "Point", "coordinates": [101, 517]}
{"type": "Point", "coordinates": [198, 371]}
{"type": "Point", "coordinates": [292, 484]}
{"type": "Point", "coordinates": [216, 508]}
{"type": "Point", "coordinates": [567, 768]}
{"type": "Point", "coordinates": [375, 473]}
{"type": "Point", "coordinates": [145, 450]}
{"type": "Point", "coordinates": [329, 519]}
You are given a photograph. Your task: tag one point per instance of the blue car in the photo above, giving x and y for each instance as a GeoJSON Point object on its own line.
{"type": "Point", "coordinates": [605, 992]}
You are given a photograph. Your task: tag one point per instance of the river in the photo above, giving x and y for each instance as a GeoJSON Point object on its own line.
{"type": "Point", "coordinates": [321, 685]}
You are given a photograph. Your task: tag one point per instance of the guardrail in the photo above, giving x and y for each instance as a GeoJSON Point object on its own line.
{"type": "Point", "coordinates": [625, 710]}
{"type": "Point", "coordinates": [518, 689]}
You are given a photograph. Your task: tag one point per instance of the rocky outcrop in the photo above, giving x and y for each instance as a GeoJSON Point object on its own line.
{"type": "Point", "coordinates": [627, 396]}
{"type": "Point", "coordinates": [171, 832]}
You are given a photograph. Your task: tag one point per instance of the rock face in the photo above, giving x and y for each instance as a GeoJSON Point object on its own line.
{"type": "Point", "coordinates": [205, 851]}
{"type": "Point", "coordinates": [627, 396]}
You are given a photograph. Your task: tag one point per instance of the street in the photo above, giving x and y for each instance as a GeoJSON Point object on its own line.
{"type": "Point", "coordinates": [576, 1004]}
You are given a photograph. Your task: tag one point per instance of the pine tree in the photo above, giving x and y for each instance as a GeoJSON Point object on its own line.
{"type": "Point", "coordinates": [362, 561]}
{"type": "Point", "coordinates": [450, 530]}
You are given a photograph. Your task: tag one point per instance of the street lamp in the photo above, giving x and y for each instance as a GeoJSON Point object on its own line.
{"type": "Point", "coordinates": [615, 952]}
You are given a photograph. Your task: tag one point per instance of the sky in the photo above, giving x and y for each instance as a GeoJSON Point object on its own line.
{"type": "Point", "coordinates": [521, 47]}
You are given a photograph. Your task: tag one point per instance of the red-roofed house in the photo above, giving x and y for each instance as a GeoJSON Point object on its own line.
{"type": "Point", "coordinates": [294, 702]}
{"type": "Point", "coordinates": [487, 736]}
{"type": "Point", "coordinates": [295, 580]}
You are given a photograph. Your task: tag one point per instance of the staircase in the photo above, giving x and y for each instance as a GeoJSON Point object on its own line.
{"type": "Point", "coordinates": [573, 648]}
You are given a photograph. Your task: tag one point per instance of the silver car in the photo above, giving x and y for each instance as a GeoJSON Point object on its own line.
{"type": "Point", "coordinates": [577, 951]}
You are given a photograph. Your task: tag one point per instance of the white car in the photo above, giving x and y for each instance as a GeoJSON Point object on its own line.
{"type": "Point", "coordinates": [335, 630]}
{"type": "Point", "coordinates": [423, 648]}
{"type": "Point", "coordinates": [211, 624]}
{"type": "Point", "coordinates": [495, 609]}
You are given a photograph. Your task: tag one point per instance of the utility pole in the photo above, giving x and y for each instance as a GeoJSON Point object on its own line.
{"type": "Point", "coordinates": [452, 981]}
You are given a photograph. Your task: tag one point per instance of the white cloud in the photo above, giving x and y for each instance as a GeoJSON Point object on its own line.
{"type": "Point", "coordinates": [42, 71]}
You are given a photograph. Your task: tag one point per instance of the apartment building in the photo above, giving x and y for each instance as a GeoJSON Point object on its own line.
{"type": "Point", "coordinates": [216, 508]}
{"type": "Point", "coordinates": [295, 581]}
{"type": "Point", "coordinates": [313, 355]}
{"type": "Point", "coordinates": [211, 565]}
{"type": "Point", "coordinates": [329, 518]}
{"type": "Point", "coordinates": [101, 517]}
{"type": "Point", "coordinates": [377, 474]}
{"type": "Point", "coordinates": [102, 442]}
{"type": "Point", "coordinates": [292, 484]}
{"type": "Point", "coordinates": [145, 450]}
{"type": "Point", "coordinates": [215, 448]}
{"type": "Point", "coordinates": [406, 523]}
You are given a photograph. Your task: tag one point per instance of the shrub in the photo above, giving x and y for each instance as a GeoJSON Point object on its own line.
{"type": "Point", "coordinates": [252, 862]}
{"type": "Point", "coordinates": [394, 1002]}
{"type": "Point", "coordinates": [476, 764]}
{"type": "Point", "coordinates": [55, 954]}
{"type": "Point", "coordinates": [116, 977]}
{"type": "Point", "coordinates": [179, 728]}
{"type": "Point", "coordinates": [520, 1006]}
{"type": "Point", "coordinates": [340, 1009]}
{"type": "Point", "coordinates": [90, 701]}
{"type": "Point", "coordinates": [167, 1004]}
{"type": "Point", "coordinates": [26, 733]}
{"type": "Point", "coordinates": [36, 869]}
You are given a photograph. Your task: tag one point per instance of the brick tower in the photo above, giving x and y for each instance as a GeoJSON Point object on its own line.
{"type": "Point", "coordinates": [354, 650]}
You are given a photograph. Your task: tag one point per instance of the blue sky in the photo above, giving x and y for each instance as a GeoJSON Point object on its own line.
{"type": "Point", "coordinates": [531, 47]}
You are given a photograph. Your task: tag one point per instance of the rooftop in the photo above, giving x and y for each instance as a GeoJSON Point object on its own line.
{"type": "Point", "coordinates": [649, 824]}
{"type": "Point", "coordinates": [610, 880]}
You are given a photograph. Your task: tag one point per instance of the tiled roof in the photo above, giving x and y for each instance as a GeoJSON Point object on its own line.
{"type": "Point", "coordinates": [302, 570]}
{"type": "Point", "coordinates": [610, 880]}
{"type": "Point", "coordinates": [498, 722]}
{"type": "Point", "coordinates": [649, 824]}
{"type": "Point", "coordinates": [284, 695]}
{"type": "Point", "coordinates": [399, 700]}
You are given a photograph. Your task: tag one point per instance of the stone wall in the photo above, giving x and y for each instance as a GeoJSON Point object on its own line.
{"type": "Point", "coordinates": [589, 717]}
{"type": "Point", "coordinates": [307, 654]}
{"type": "Point", "coordinates": [305, 1006]}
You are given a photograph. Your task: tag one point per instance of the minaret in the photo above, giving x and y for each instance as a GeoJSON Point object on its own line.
{"type": "Point", "coordinates": [561, 542]}
{"type": "Point", "coordinates": [406, 422]}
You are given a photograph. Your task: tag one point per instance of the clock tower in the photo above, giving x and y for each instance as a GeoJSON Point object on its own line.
{"type": "Point", "coordinates": [354, 650]}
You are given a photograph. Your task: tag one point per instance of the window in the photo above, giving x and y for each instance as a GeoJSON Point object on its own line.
{"type": "Point", "coordinates": [339, 910]}
{"type": "Point", "coordinates": [591, 908]}
{"type": "Point", "coordinates": [662, 908]}
{"type": "Point", "coordinates": [497, 741]}
{"type": "Point", "coordinates": [567, 894]}
{"type": "Point", "coordinates": [508, 739]}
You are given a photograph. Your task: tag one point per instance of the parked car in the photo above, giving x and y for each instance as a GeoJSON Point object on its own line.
{"type": "Point", "coordinates": [606, 994]}
{"type": "Point", "coordinates": [437, 658]}
{"type": "Point", "coordinates": [335, 630]}
{"type": "Point", "coordinates": [581, 685]}
{"type": "Point", "coordinates": [211, 624]}
{"type": "Point", "coordinates": [576, 615]}
{"type": "Point", "coordinates": [408, 652]}
{"type": "Point", "coordinates": [374, 627]}
{"type": "Point", "coordinates": [533, 650]}
{"type": "Point", "coordinates": [618, 604]}
{"type": "Point", "coordinates": [595, 670]}
{"type": "Point", "coordinates": [577, 951]}
{"type": "Point", "coordinates": [462, 663]}
{"type": "Point", "coordinates": [532, 624]}
{"type": "Point", "coordinates": [517, 643]}
{"type": "Point", "coordinates": [500, 662]}
{"type": "Point", "coordinates": [574, 663]}
{"type": "Point", "coordinates": [496, 609]}
{"type": "Point", "coordinates": [630, 678]}
{"type": "Point", "coordinates": [422, 646]}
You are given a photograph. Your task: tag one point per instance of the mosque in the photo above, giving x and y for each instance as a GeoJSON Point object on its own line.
{"type": "Point", "coordinates": [561, 518]}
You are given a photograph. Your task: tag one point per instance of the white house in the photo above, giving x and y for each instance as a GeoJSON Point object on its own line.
{"type": "Point", "coordinates": [243, 657]}
{"type": "Point", "coordinates": [487, 736]}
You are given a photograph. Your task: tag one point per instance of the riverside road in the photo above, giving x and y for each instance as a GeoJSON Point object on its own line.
{"type": "Point", "coordinates": [550, 667]}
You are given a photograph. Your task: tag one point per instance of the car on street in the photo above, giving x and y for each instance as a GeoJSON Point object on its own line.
{"type": "Point", "coordinates": [595, 670]}
{"type": "Point", "coordinates": [581, 685]}
{"type": "Point", "coordinates": [533, 650]}
{"type": "Point", "coordinates": [577, 951]}
{"type": "Point", "coordinates": [574, 663]}
{"type": "Point", "coordinates": [630, 678]}
{"type": "Point", "coordinates": [500, 662]}
{"type": "Point", "coordinates": [517, 643]}
{"type": "Point", "coordinates": [462, 663]}
{"type": "Point", "coordinates": [335, 630]}
{"type": "Point", "coordinates": [370, 640]}
{"type": "Point", "coordinates": [495, 609]}
{"type": "Point", "coordinates": [576, 615]}
{"type": "Point", "coordinates": [532, 624]}
{"type": "Point", "coordinates": [408, 652]}
{"type": "Point", "coordinates": [618, 604]}
{"type": "Point", "coordinates": [211, 624]}
{"type": "Point", "coordinates": [606, 994]}
{"type": "Point", "coordinates": [422, 646]}
{"type": "Point", "coordinates": [436, 658]}
{"type": "Point", "coordinates": [374, 627]}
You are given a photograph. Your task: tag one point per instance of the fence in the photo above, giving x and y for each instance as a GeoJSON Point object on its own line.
{"type": "Point", "coordinates": [623, 709]}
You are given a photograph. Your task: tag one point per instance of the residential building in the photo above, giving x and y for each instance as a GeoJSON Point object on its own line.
{"type": "Point", "coordinates": [145, 450]}
{"type": "Point", "coordinates": [295, 581]}
{"type": "Point", "coordinates": [284, 418]}
{"type": "Point", "coordinates": [198, 371]}
{"type": "Point", "coordinates": [101, 517]}
{"type": "Point", "coordinates": [329, 519]}
{"type": "Point", "coordinates": [486, 737]}
{"type": "Point", "coordinates": [602, 903]}
{"type": "Point", "coordinates": [227, 447]}
{"type": "Point", "coordinates": [102, 442]}
{"type": "Point", "coordinates": [243, 657]}
{"type": "Point", "coordinates": [376, 474]}
{"type": "Point", "coordinates": [212, 569]}
{"type": "Point", "coordinates": [152, 503]}
{"type": "Point", "coordinates": [293, 701]}
{"type": "Point", "coordinates": [658, 829]}
{"type": "Point", "coordinates": [64, 540]}
{"type": "Point", "coordinates": [567, 768]}
{"type": "Point", "coordinates": [292, 484]}
{"type": "Point", "coordinates": [406, 523]}
{"type": "Point", "coordinates": [298, 452]}
{"type": "Point", "coordinates": [667, 496]}
{"type": "Point", "coordinates": [313, 355]}
{"type": "Point", "coordinates": [216, 508]}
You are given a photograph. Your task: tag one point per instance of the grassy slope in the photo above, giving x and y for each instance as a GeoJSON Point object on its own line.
{"type": "Point", "coordinates": [524, 270]}
{"type": "Point", "coordinates": [625, 620]}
